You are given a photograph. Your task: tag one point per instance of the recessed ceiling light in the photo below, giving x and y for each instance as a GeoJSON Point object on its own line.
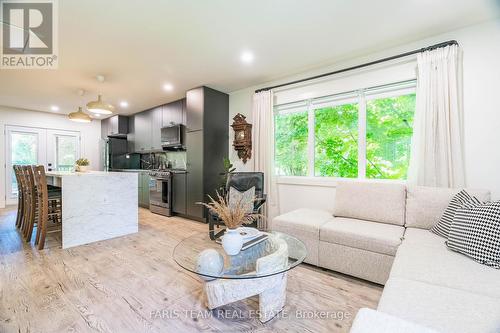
{"type": "Point", "coordinates": [247, 57]}
{"type": "Point", "coordinates": [54, 108]}
{"type": "Point", "coordinates": [124, 104]}
{"type": "Point", "coordinates": [97, 115]}
{"type": "Point", "coordinates": [168, 87]}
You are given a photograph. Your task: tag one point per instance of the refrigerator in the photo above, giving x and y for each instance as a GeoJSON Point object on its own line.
{"type": "Point", "coordinates": [116, 156]}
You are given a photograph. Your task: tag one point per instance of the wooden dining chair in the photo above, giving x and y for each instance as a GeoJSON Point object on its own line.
{"type": "Point", "coordinates": [20, 207]}
{"type": "Point", "coordinates": [32, 203]}
{"type": "Point", "coordinates": [49, 207]}
{"type": "Point", "coordinates": [26, 195]}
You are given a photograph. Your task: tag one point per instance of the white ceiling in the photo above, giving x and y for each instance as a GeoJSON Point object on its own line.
{"type": "Point", "coordinates": [140, 45]}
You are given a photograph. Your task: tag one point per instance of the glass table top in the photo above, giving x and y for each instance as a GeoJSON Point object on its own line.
{"type": "Point", "coordinates": [276, 254]}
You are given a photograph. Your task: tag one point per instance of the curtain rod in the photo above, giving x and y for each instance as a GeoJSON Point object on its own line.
{"type": "Point", "coordinates": [371, 63]}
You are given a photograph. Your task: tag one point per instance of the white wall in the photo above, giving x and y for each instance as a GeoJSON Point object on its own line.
{"type": "Point", "coordinates": [481, 47]}
{"type": "Point", "coordinates": [90, 135]}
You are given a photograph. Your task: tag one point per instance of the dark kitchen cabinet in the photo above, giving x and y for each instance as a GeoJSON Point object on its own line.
{"type": "Point", "coordinates": [115, 126]}
{"type": "Point", "coordinates": [142, 127]}
{"type": "Point", "coordinates": [144, 180]}
{"type": "Point", "coordinates": [172, 113]}
{"type": "Point", "coordinates": [194, 176]}
{"type": "Point", "coordinates": [195, 109]}
{"type": "Point", "coordinates": [179, 193]}
{"type": "Point", "coordinates": [184, 112]}
{"type": "Point", "coordinates": [131, 134]}
{"type": "Point", "coordinates": [145, 127]}
{"type": "Point", "coordinates": [206, 147]}
{"type": "Point", "coordinates": [156, 125]}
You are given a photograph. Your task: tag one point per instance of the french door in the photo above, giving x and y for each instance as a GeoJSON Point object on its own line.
{"type": "Point", "coordinates": [55, 149]}
{"type": "Point", "coordinates": [63, 149]}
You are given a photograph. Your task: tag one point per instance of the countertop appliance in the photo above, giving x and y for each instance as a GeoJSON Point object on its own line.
{"type": "Point", "coordinates": [172, 137]}
{"type": "Point", "coordinates": [160, 192]}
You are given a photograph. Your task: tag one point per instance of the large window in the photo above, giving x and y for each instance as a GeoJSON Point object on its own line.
{"type": "Point", "coordinates": [389, 127]}
{"type": "Point", "coordinates": [291, 128]}
{"type": "Point", "coordinates": [362, 134]}
{"type": "Point", "coordinates": [336, 141]}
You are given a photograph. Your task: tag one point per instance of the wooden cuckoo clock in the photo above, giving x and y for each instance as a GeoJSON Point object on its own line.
{"type": "Point", "coordinates": [242, 137]}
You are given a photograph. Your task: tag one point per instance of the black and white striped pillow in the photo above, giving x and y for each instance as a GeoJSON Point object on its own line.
{"type": "Point", "coordinates": [475, 232]}
{"type": "Point", "coordinates": [442, 227]}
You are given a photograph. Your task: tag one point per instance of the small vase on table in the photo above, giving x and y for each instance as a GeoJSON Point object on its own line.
{"type": "Point", "coordinates": [232, 242]}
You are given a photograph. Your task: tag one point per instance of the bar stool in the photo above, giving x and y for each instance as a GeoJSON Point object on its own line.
{"type": "Point", "coordinates": [49, 207]}
{"type": "Point", "coordinates": [32, 203]}
{"type": "Point", "coordinates": [27, 199]}
{"type": "Point", "coordinates": [20, 208]}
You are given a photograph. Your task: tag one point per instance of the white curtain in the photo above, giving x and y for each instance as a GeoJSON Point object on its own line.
{"type": "Point", "coordinates": [437, 145]}
{"type": "Point", "coordinates": [263, 149]}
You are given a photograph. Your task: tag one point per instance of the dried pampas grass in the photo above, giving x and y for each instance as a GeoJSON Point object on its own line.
{"type": "Point", "coordinates": [234, 216]}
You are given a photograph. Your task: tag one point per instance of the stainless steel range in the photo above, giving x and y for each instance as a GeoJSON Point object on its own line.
{"type": "Point", "coordinates": [160, 192]}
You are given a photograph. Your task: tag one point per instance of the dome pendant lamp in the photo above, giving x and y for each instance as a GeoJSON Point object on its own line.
{"type": "Point", "coordinates": [79, 116]}
{"type": "Point", "coordinates": [100, 107]}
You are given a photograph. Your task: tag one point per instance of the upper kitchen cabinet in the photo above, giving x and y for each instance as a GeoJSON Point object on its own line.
{"type": "Point", "coordinates": [142, 128]}
{"type": "Point", "coordinates": [116, 126]}
{"type": "Point", "coordinates": [156, 125]}
{"type": "Point", "coordinates": [146, 135]}
{"type": "Point", "coordinates": [194, 109]}
{"type": "Point", "coordinates": [184, 112]}
{"type": "Point", "coordinates": [173, 113]}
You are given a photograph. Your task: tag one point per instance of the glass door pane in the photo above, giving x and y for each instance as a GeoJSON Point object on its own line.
{"type": "Point", "coordinates": [24, 146]}
{"type": "Point", "coordinates": [63, 150]}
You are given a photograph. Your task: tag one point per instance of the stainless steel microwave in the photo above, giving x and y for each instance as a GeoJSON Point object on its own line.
{"type": "Point", "coordinates": [172, 137]}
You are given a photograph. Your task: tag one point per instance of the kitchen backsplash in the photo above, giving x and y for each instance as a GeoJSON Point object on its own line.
{"type": "Point", "coordinates": [177, 159]}
{"type": "Point", "coordinates": [170, 159]}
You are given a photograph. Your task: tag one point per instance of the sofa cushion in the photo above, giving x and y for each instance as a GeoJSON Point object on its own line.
{"type": "Point", "coordinates": [304, 220]}
{"type": "Point", "coordinates": [425, 205]}
{"type": "Point", "coordinates": [441, 308]}
{"type": "Point", "coordinates": [371, 321]}
{"type": "Point", "coordinates": [367, 235]}
{"type": "Point", "coordinates": [303, 224]}
{"type": "Point", "coordinates": [424, 257]}
{"type": "Point", "coordinates": [364, 264]}
{"type": "Point", "coordinates": [422, 237]}
{"type": "Point", "coordinates": [380, 202]}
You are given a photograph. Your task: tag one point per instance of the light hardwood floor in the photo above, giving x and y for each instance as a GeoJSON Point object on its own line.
{"type": "Point", "coordinates": [131, 284]}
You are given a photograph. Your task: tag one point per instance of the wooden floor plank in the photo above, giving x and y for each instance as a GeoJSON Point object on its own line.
{"type": "Point", "coordinates": [132, 284]}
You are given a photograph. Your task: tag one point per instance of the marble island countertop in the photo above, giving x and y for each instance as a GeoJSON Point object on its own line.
{"type": "Point", "coordinates": [96, 205]}
{"type": "Point", "coordinates": [88, 173]}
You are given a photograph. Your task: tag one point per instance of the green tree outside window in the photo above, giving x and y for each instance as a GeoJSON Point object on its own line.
{"type": "Point", "coordinates": [389, 129]}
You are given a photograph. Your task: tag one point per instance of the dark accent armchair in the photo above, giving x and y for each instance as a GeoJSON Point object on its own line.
{"type": "Point", "coordinates": [242, 181]}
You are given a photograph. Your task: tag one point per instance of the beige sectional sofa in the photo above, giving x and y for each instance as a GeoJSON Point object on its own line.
{"type": "Point", "coordinates": [380, 232]}
{"type": "Point", "coordinates": [362, 235]}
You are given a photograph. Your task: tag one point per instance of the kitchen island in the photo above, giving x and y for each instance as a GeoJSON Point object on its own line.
{"type": "Point", "coordinates": [96, 205]}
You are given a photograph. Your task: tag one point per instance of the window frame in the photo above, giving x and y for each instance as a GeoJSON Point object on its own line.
{"type": "Point", "coordinates": [360, 97]}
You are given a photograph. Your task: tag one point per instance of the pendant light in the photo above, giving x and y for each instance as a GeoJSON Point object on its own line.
{"type": "Point", "coordinates": [100, 107]}
{"type": "Point", "coordinates": [79, 116]}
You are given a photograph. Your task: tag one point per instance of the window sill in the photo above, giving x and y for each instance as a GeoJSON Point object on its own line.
{"type": "Point", "coordinates": [328, 181]}
{"type": "Point", "coordinates": [308, 181]}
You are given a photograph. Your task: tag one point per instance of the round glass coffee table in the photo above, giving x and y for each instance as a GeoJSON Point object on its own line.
{"type": "Point", "coordinates": [259, 270]}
